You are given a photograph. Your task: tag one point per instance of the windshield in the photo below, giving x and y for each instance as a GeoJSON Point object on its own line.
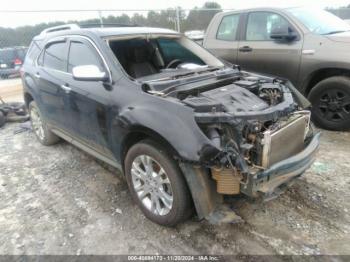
{"type": "Point", "coordinates": [319, 21]}
{"type": "Point", "coordinates": [162, 56]}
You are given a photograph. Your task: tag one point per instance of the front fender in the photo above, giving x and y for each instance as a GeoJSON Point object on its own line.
{"type": "Point", "coordinates": [176, 125]}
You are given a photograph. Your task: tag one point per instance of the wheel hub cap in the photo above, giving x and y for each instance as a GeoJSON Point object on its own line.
{"type": "Point", "coordinates": [152, 185]}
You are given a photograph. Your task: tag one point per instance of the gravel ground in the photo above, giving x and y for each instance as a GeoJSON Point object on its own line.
{"type": "Point", "coordinates": [59, 200]}
{"type": "Point", "coordinates": [11, 90]}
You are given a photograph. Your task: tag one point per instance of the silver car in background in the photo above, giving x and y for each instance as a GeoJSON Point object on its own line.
{"type": "Point", "coordinates": [309, 47]}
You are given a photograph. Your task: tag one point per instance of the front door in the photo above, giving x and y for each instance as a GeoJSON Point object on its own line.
{"type": "Point", "coordinates": [88, 100]}
{"type": "Point", "coordinates": [259, 53]}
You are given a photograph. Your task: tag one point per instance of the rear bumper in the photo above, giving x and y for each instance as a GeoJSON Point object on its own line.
{"type": "Point", "coordinates": [10, 72]}
{"type": "Point", "coordinates": [281, 173]}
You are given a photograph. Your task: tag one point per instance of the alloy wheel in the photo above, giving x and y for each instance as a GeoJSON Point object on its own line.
{"type": "Point", "coordinates": [334, 105]}
{"type": "Point", "coordinates": [152, 185]}
{"type": "Point", "coordinates": [37, 124]}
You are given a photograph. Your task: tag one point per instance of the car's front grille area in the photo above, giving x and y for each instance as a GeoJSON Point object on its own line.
{"type": "Point", "coordinates": [284, 142]}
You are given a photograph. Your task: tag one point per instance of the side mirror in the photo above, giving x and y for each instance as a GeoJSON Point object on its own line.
{"type": "Point", "coordinates": [283, 33]}
{"type": "Point", "coordinates": [88, 73]}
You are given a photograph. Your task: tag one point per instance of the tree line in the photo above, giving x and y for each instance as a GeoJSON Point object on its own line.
{"type": "Point", "coordinates": [197, 19]}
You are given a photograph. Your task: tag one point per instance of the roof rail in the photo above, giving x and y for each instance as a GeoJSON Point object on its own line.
{"type": "Point", "coordinates": [59, 28]}
{"type": "Point", "coordinates": [92, 25]}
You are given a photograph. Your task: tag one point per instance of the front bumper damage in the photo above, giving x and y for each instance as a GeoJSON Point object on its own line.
{"type": "Point", "coordinates": [281, 173]}
{"type": "Point", "coordinates": [267, 183]}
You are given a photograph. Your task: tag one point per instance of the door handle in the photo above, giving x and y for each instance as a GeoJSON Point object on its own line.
{"type": "Point", "coordinates": [37, 75]}
{"type": "Point", "coordinates": [245, 49]}
{"type": "Point", "coordinates": [66, 88]}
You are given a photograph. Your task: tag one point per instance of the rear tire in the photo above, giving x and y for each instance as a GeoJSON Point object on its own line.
{"type": "Point", "coordinates": [157, 184]}
{"type": "Point", "coordinates": [40, 128]}
{"type": "Point", "coordinates": [330, 100]}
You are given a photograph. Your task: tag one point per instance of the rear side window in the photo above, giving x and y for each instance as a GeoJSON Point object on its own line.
{"type": "Point", "coordinates": [55, 56]}
{"type": "Point", "coordinates": [81, 54]}
{"type": "Point", "coordinates": [260, 25]}
{"type": "Point", "coordinates": [228, 28]}
{"type": "Point", "coordinates": [33, 52]}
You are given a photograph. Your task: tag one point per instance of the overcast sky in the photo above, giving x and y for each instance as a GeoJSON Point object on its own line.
{"type": "Point", "coordinates": [18, 19]}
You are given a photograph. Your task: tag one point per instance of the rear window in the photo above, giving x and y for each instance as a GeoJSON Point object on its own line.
{"type": "Point", "coordinates": [55, 56]}
{"type": "Point", "coordinates": [21, 53]}
{"type": "Point", "coordinates": [7, 55]}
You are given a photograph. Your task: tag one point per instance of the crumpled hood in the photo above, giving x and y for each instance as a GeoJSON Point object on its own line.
{"type": "Point", "coordinates": [230, 98]}
{"type": "Point", "coordinates": [340, 37]}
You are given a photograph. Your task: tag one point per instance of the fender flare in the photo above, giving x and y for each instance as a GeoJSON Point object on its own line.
{"type": "Point", "coordinates": [189, 147]}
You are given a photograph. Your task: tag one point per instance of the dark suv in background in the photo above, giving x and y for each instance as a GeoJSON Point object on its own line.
{"type": "Point", "coordinates": [11, 60]}
{"type": "Point", "coordinates": [181, 125]}
{"type": "Point", "coordinates": [310, 47]}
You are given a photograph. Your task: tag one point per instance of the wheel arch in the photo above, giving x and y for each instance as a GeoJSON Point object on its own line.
{"type": "Point", "coordinates": [27, 99]}
{"type": "Point", "coordinates": [139, 133]}
{"type": "Point", "coordinates": [322, 74]}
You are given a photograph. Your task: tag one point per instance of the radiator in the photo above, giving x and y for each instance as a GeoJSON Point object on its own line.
{"type": "Point", "coordinates": [286, 141]}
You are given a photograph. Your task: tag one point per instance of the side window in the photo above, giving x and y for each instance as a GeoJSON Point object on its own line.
{"type": "Point", "coordinates": [260, 25]}
{"type": "Point", "coordinates": [81, 54]}
{"type": "Point", "coordinates": [228, 28]}
{"type": "Point", "coordinates": [55, 56]}
{"type": "Point", "coordinates": [33, 52]}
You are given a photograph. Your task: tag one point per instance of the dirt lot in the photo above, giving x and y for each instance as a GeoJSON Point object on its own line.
{"type": "Point", "coordinates": [11, 90]}
{"type": "Point", "coordinates": [58, 200]}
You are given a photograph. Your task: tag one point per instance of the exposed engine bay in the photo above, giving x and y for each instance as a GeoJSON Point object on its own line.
{"type": "Point", "coordinates": [249, 119]}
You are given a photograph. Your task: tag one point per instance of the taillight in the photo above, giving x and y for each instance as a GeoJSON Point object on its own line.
{"type": "Point", "coordinates": [17, 61]}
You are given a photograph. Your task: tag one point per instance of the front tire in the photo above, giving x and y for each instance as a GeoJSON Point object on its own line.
{"type": "Point", "coordinates": [39, 126]}
{"type": "Point", "coordinates": [157, 184]}
{"type": "Point", "coordinates": [330, 100]}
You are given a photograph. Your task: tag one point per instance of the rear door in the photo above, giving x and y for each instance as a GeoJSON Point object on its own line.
{"type": "Point", "coordinates": [222, 37]}
{"type": "Point", "coordinates": [50, 74]}
{"type": "Point", "coordinates": [257, 52]}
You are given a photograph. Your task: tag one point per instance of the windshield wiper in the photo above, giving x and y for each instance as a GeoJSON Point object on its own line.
{"type": "Point", "coordinates": [193, 72]}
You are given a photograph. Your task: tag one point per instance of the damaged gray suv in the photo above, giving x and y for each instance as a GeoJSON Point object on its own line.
{"type": "Point", "coordinates": [184, 127]}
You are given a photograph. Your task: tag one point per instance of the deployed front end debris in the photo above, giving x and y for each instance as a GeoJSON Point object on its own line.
{"type": "Point", "coordinates": [260, 134]}
{"type": "Point", "coordinates": [12, 112]}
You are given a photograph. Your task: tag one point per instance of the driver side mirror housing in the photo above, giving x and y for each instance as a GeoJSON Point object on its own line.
{"type": "Point", "coordinates": [89, 73]}
{"type": "Point", "coordinates": [283, 33]}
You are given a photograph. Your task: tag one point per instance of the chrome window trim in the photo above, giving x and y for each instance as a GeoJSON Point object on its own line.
{"type": "Point", "coordinates": [67, 37]}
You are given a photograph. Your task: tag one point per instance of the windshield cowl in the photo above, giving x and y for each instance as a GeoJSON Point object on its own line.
{"type": "Point", "coordinates": [180, 73]}
{"type": "Point", "coordinates": [168, 85]}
